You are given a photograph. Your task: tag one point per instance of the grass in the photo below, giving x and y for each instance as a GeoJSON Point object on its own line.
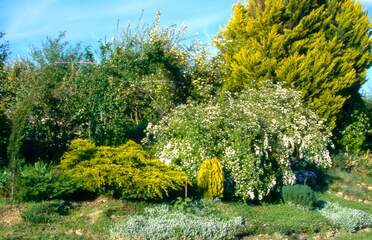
{"type": "Point", "coordinates": [364, 235]}
{"type": "Point", "coordinates": [278, 218]}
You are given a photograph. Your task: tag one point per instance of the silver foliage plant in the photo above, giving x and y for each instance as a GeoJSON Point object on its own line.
{"type": "Point", "coordinates": [162, 223]}
{"type": "Point", "coordinates": [260, 135]}
{"type": "Point", "coordinates": [346, 218]}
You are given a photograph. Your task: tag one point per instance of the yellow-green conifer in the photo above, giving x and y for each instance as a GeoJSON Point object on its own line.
{"type": "Point", "coordinates": [321, 48]}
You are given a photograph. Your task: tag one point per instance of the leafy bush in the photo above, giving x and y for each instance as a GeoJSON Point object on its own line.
{"type": "Point", "coordinates": [354, 136]}
{"type": "Point", "coordinates": [126, 171]}
{"type": "Point", "coordinates": [259, 136]}
{"type": "Point", "coordinates": [210, 179]}
{"type": "Point", "coordinates": [4, 182]}
{"type": "Point", "coordinates": [43, 182]}
{"type": "Point", "coordinates": [301, 195]}
{"type": "Point", "coordinates": [202, 207]}
{"type": "Point", "coordinates": [45, 212]}
{"type": "Point", "coordinates": [161, 223]}
{"type": "Point", "coordinates": [346, 218]}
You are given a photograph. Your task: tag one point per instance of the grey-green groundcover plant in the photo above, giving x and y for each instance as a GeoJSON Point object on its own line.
{"type": "Point", "coordinates": [162, 223]}
{"type": "Point", "coordinates": [346, 218]}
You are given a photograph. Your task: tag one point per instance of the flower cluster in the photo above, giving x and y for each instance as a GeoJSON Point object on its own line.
{"type": "Point", "coordinates": [260, 136]}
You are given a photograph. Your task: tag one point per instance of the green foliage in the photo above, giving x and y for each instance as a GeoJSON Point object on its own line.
{"type": "Point", "coordinates": [4, 52]}
{"type": "Point", "coordinates": [277, 218]}
{"type": "Point", "coordinates": [37, 100]}
{"type": "Point", "coordinates": [260, 136]}
{"type": "Point", "coordinates": [162, 223]}
{"type": "Point", "coordinates": [4, 135]}
{"type": "Point", "coordinates": [301, 195]}
{"type": "Point", "coordinates": [45, 212]}
{"type": "Point", "coordinates": [137, 78]}
{"type": "Point", "coordinates": [5, 177]}
{"type": "Point", "coordinates": [321, 48]}
{"type": "Point", "coordinates": [368, 104]}
{"type": "Point", "coordinates": [126, 171]}
{"type": "Point", "coordinates": [354, 136]}
{"type": "Point", "coordinates": [142, 74]}
{"type": "Point", "coordinates": [210, 179]}
{"type": "Point", "coordinates": [42, 182]}
{"type": "Point", "coordinates": [346, 218]}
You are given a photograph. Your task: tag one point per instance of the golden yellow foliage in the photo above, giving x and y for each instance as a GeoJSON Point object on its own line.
{"type": "Point", "coordinates": [126, 171]}
{"type": "Point", "coordinates": [210, 179]}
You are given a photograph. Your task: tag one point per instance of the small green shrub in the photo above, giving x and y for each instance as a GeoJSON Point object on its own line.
{"type": "Point", "coordinates": [43, 182]}
{"type": "Point", "coordinates": [346, 218]}
{"type": "Point", "coordinates": [301, 195]}
{"type": "Point", "coordinates": [46, 212]}
{"type": "Point", "coordinates": [126, 171]}
{"type": "Point", "coordinates": [162, 223]}
{"type": "Point", "coordinates": [354, 136]}
{"type": "Point", "coordinates": [39, 213]}
{"type": "Point", "coordinates": [202, 207]}
{"type": "Point", "coordinates": [4, 182]}
{"type": "Point", "coordinates": [210, 179]}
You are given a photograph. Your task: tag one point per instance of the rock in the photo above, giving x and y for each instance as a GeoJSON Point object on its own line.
{"type": "Point", "coordinates": [304, 175]}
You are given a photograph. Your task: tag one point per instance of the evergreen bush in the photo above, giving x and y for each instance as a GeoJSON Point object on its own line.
{"type": "Point", "coordinates": [320, 48]}
{"type": "Point", "coordinates": [126, 171]}
{"type": "Point", "coordinates": [40, 182]}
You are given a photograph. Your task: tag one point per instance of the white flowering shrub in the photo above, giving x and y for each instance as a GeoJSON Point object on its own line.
{"type": "Point", "coordinates": [346, 218]}
{"type": "Point", "coordinates": [162, 223]}
{"type": "Point", "coordinates": [260, 136]}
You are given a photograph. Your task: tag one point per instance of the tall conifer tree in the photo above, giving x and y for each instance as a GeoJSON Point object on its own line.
{"type": "Point", "coordinates": [319, 47]}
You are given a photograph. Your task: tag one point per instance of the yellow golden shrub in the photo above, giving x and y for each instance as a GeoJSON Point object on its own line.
{"type": "Point", "coordinates": [210, 179]}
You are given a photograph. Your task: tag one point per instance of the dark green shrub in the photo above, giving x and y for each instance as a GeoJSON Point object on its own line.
{"type": "Point", "coordinates": [126, 171]}
{"type": "Point", "coordinates": [43, 182]}
{"type": "Point", "coordinates": [299, 195]}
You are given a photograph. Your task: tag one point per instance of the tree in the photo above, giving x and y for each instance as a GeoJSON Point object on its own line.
{"type": "Point", "coordinates": [140, 76]}
{"type": "Point", "coordinates": [321, 48]}
{"type": "Point", "coordinates": [4, 120]}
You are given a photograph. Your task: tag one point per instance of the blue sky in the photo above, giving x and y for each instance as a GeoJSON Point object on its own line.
{"type": "Point", "coordinates": [27, 22]}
